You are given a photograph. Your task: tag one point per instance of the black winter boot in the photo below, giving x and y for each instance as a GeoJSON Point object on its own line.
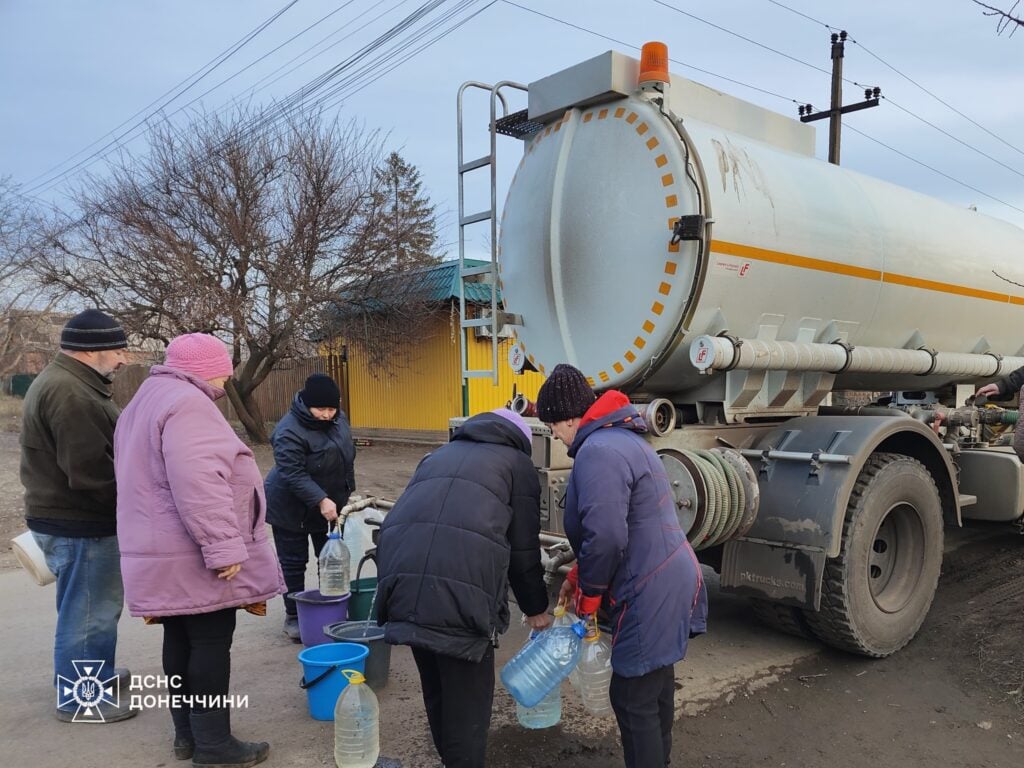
{"type": "Point", "coordinates": [217, 748]}
{"type": "Point", "coordinates": [184, 744]}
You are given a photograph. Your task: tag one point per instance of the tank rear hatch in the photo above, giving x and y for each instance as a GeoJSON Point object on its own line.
{"type": "Point", "coordinates": [586, 254]}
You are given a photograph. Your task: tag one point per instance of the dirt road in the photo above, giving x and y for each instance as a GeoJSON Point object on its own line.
{"type": "Point", "coordinates": [747, 696]}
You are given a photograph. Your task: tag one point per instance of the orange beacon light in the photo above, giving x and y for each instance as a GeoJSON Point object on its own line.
{"type": "Point", "coordinates": [653, 63]}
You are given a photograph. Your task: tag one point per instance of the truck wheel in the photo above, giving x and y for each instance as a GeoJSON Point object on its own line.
{"type": "Point", "coordinates": [783, 618]}
{"type": "Point", "coordinates": [877, 592]}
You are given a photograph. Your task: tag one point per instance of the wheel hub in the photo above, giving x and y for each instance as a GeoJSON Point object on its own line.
{"type": "Point", "coordinates": [894, 561]}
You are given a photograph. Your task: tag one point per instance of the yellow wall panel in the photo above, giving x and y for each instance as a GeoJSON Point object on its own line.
{"type": "Point", "coordinates": [420, 390]}
{"type": "Point", "coordinates": [486, 396]}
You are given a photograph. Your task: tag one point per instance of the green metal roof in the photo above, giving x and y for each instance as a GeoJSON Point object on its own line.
{"type": "Point", "coordinates": [441, 283]}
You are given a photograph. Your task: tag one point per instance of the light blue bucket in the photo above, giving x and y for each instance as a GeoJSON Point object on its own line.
{"type": "Point", "coordinates": [321, 674]}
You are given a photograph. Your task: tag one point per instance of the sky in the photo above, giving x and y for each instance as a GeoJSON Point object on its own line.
{"type": "Point", "coordinates": [78, 76]}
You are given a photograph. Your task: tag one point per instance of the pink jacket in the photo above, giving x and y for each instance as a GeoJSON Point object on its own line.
{"type": "Point", "coordinates": [189, 501]}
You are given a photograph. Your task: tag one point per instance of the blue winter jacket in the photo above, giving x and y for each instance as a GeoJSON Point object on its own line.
{"type": "Point", "coordinates": [620, 518]}
{"type": "Point", "coordinates": [313, 459]}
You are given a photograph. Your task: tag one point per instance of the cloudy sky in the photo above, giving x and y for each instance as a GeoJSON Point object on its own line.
{"type": "Point", "coordinates": [79, 76]}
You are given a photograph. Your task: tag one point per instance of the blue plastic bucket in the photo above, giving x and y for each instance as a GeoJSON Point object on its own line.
{"type": "Point", "coordinates": [321, 674]}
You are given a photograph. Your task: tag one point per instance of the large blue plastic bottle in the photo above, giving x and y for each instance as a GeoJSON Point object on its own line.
{"type": "Point", "coordinates": [542, 664]}
{"type": "Point", "coordinates": [549, 712]}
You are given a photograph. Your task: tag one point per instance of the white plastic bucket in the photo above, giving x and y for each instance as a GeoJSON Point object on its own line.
{"type": "Point", "coordinates": [32, 559]}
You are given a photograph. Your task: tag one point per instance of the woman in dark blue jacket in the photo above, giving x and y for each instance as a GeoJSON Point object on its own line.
{"type": "Point", "coordinates": [633, 559]}
{"type": "Point", "coordinates": [464, 530]}
{"type": "Point", "coordinates": [312, 478]}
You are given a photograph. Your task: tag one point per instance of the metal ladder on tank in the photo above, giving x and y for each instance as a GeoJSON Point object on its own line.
{"type": "Point", "coordinates": [516, 125]}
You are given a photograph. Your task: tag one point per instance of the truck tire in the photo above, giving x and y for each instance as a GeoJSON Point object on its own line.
{"type": "Point", "coordinates": [877, 592]}
{"type": "Point", "coordinates": [780, 617]}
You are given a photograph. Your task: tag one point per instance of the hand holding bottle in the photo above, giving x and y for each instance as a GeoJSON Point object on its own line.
{"type": "Point", "coordinates": [328, 509]}
{"type": "Point", "coordinates": [539, 622]}
{"type": "Point", "coordinates": [585, 605]}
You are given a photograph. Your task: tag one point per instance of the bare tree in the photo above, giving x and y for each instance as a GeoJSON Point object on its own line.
{"type": "Point", "coordinates": [243, 227]}
{"type": "Point", "coordinates": [23, 307]}
{"type": "Point", "coordinates": [1006, 19]}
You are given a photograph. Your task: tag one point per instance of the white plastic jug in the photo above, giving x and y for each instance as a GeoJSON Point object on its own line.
{"type": "Point", "coordinates": [356, 535]}
{"type": "Point", "coordinates": [594, 673]}
{"type": "Point", "coordinates": [31, 557]}
{"type": "Point", "coordinates": [335, 564]}
{"type": "Point", "coordinates": [564, 618]}
{"type": "Point", "coordinates": [356, 724]}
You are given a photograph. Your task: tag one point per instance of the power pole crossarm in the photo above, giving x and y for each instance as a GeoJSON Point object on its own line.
{"type": "Point", "coordinates": [836, 109]}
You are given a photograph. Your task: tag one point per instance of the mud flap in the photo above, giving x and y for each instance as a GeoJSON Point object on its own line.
{"type": "Point", "coordinates": [773, 572]}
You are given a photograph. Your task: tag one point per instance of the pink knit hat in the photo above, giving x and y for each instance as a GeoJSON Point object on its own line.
{"type": "Point", "coordinates": [517, 420]}
{"type": "Point", "coordinates": [200, 354]}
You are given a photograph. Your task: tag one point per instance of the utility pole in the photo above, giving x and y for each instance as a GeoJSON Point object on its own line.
{"type": "Point", "coordinates": [837, 110]}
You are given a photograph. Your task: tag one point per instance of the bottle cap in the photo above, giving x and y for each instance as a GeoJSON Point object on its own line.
{"type": "Point", "coordinates": [354, 676]}
{"type": "Point", "coordinates": [579, 628]}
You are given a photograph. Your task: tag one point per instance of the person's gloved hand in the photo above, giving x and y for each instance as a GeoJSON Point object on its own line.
{"type": "Point", "coordinates": [585, 604]}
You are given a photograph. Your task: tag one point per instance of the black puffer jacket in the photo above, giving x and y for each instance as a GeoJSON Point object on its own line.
{"type": "Point", "coordinates": [464, 528]}
{"type": "Point", "coordinates": [312, 459]}
{"type": "Point", "coordinates": [1010, 384]}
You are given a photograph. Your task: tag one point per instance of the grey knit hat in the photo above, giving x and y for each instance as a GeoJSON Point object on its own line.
{"type": "Point", "coordinates": [92, 331]}
{"type": "Point", "coordinates": [564, 395]}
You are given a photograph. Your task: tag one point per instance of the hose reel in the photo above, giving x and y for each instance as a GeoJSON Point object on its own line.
{"type": "Point", "coordinates": [716, 493]}
{"type": "Point", "coordinates": [660, 415]}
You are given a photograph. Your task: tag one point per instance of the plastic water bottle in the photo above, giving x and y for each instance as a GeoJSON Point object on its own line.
{"type": "Point", "coordinates": [356, 724]}
{"type": "Point", "coordinates": [565, 618]}
{"type": "Point", "coordinates": [334, 566]}
{"type": "Point", "coordinates": [542, 664]}
{"type": "Point", "coordinates": [354, 534]}
{"type": "Point", "coordinates": [549, 712]}
{"type": "Point", "coordinates": [594, 673]}
{"type": "Point", "coordinates": [545, 715]}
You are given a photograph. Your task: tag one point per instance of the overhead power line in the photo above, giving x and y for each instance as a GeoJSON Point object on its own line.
{"type": "Point", "coordinates": [637, 48]}
{"type": "Point", "coordinates": [954, 138]}
{"type": "Point", "coordinates": [178, 90]}
{"type": "Point", "coordinates": [269, 79]}
{"type": "Point", "coordinates": [751, 41]}
{"type": "Point", "coordinates": [743, 37]}
{"type": "Point", "coordinates": [906, 77]}
{"type": "Point", "coordinates": [936, 170]}
{"type": "Point", "coordinates": [880, 143]}
{"type": "Point", "coordinates": [804, 15]}
{"type": "Point", "coordinates": [358, 84]}
{"type": "Point", "coordinates": [942, 101]}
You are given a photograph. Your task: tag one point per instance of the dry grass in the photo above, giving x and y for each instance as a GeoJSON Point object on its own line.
{"type": "Point", "coordinates": [10, 413]}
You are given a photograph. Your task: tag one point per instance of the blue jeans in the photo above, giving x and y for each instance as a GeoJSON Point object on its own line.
{"type": "Point", "coordinates": [293, 554]}
{"type": "Point", "coordinates": [89, 599]}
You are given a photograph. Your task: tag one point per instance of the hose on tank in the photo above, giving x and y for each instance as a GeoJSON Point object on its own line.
{"type": "Point", "coordinates": [726, 500]}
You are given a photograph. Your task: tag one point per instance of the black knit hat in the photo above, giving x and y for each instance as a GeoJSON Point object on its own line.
{"type": "Point", "coordinates": [320, 391]}
{"type": "Point", "coordinates": [92, 331]}
{"type": "Point", "coordinates": [564, 395]}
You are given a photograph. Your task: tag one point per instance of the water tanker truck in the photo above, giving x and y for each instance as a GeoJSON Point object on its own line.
{"type": "Point", "coordinates": [687, 248]}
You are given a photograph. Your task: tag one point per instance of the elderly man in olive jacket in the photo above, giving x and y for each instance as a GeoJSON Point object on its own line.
{"type": "Point", "coordinates": [67, 468]}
